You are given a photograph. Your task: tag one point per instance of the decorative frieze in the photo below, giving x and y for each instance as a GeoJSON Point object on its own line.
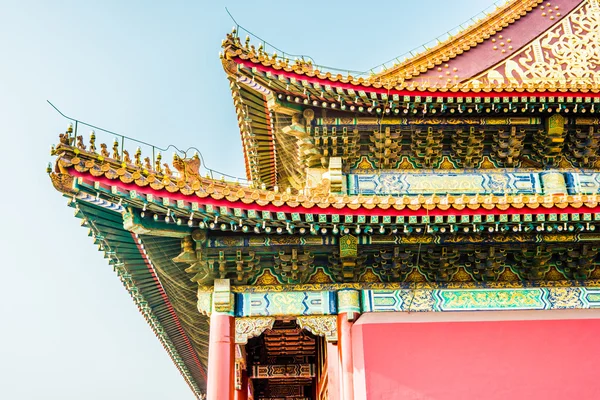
{"type": "Point", "coordinates": [335, 174]}
{"type": "Point", "coordinates": [395, 183]}
{"type": "Point", "coordinates": [285, 303]}
{"type": "Point", "coordinates": [204, 303]}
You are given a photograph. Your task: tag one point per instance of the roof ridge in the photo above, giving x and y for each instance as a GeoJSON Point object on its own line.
{"type": "Point", "coordinates": [453, 46]}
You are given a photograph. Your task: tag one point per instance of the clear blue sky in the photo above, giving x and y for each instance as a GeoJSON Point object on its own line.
{"type": "Point", "coordinates": [68, 329]}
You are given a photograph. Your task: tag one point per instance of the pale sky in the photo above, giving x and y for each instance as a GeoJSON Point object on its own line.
{"type": "Point", "coordinates": [150, 70]}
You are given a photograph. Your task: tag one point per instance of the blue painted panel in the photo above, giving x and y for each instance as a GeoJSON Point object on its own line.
{"type": "Point", "coordinates": [392, 183]}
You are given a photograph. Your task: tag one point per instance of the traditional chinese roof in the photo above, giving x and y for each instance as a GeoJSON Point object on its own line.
{"type": "Point", "coordinates": [518, 119]}
{"type": "Point", "coordinates": [527, 58]}
{"type": "Point", "coordinates": [518, 28]}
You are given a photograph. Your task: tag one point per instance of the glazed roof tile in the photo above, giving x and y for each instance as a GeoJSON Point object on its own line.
{"type": "Point", "coordinates": [402, 77]}
{"type": "Point", "coordinates": [78, 163]}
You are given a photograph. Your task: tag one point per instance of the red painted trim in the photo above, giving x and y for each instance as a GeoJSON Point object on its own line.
{"type": "Point", "coordinates": [89, 179]}
{"type": "Point", "coordinates": [165, 298]}
{"type": "Point", "coordinates": [433, 93]}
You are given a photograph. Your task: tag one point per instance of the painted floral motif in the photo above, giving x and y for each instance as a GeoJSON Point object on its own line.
{"type": "Point", "coordinates": [565, 297]}
{"type": "Point", "coordinates": [246, 328]}
{"type": "Point", "coordinates": [491, 299]}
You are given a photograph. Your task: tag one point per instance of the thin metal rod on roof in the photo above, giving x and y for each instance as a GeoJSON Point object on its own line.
{"type": "Point", "coordinates": [231, 16]}
{"type": "Point", "coordinates": [154, 148]}
{"type": "Point", "coordinates": [413, 52]}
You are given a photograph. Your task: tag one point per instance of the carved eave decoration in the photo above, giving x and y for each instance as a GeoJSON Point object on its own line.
{"type": "Point", "coordinates": [320, 325]}
{"type": "Point", "coordinates": [247, 328]}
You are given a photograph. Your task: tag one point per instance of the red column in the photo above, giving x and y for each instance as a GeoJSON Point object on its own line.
{"type": "Point", "coordinates": [221, 357]}
{"type": "Point", "coordinates": [345, 349]}
{"type": "Point", "coordinates": [333, 372]}
{"type": "Point", "coordinates": [242, 394]}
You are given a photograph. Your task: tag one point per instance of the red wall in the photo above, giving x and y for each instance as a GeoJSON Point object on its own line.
{"type": "Point", "coordinates": [398, 358]}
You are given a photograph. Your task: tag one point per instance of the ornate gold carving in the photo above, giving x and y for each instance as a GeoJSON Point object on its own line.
{"type": "Point", "coordinates": [63, 182]}
{"type": "Point", "coordinates": [204, 302]}
{"type": "Point", "coordinates": [568, 53]}
{"type": "Point", "coordinates": [320, 277]}
{"type": "Point", "coordinates": [364, 163]}
{"type": "Point", "coordinates": [247, 328]}
{"type": "Point", "coordinates": [266, 278]}
{"type": "Point", "coordinates": [335, 174]}
{"type": "Point", "coordinates": [587, 121]}
{"type": "Point", "coordinates": [238, 375]}
{"type": "Point", "coordinates": [320, 325]}
{"type": "Point", "coordinates": [188, 254]}
{"type": "Point", "coordinates": [189, 168]}
{"type": "Point", "coordinates": [508, 145]}
{"type": "Point", "coordinates": [584, 146]}
{"type": "Point", "coordinates": [549, 143]}
{"type": "Point", "coordinates": [200, 268]}
{"type": "Point", "coordinates": [506, 280]}
{"type": "Point", "coordinates": [321, 189]}
{"type": "Point", "coordinates": [369, 276]}
{"type": "Point", "coordinates": [555, 125]}
{"type": "Point", "coordinates": [348, 246]}
{"type": "Point", "coordinates": [278, 241]}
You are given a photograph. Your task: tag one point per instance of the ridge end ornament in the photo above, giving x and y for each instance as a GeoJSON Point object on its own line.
{"type": "Point", "coordinates": [188, 168]}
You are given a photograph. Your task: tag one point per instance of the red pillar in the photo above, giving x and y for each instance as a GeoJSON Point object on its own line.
{"type": "Point", "coordinates": [242, 393]}
{"type": "Point", "coordinates": [333, 372]}
{"type": "Point", "coordinates": [221, 357]}
{"type": "Point", "coordinates": [345, 349]}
